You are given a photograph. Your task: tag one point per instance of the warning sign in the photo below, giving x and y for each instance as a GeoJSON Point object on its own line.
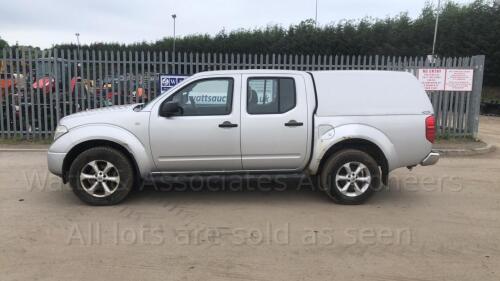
{"type": "Point", "coordinates": [433, 79]}
{"type": "Point", "coordinates": [459, 80]}
{"type": "Point", "coordinates": [441, 79]}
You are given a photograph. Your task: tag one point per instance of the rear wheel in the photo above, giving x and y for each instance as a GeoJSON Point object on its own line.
{"type": "Point", "coordinates": [101, 176]}
{"type": "Point", "coordinates": [350, 176]}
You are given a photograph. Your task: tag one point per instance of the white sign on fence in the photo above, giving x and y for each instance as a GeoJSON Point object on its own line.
{"type": "Point", "coordinates": [459, 80]}
{"type": "Point", "coordinates": [433, 79]}
{"type": "Point", "coordinates": [440, 79]}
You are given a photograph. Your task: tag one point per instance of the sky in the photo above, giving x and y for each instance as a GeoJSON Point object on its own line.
{"type": "Point", "coordinates": [47, 22]}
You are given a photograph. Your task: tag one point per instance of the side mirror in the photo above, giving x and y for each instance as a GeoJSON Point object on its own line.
{"type": "Point", "coordinates": [169, 109]}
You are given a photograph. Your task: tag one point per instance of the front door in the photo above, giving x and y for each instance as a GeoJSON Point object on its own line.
{"type": "Point", "coordinates": [274, 122]}
{"type": "Point", "coordinates": [206, 136]}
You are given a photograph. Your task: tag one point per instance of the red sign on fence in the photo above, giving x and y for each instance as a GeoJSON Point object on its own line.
{"type": "Point", "coordinates": [440, 79]}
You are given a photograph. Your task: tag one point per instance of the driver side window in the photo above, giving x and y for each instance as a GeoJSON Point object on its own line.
{"type": "Point", "coordinates": [205, 97]}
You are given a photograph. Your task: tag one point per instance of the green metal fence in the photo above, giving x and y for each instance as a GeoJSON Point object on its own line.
{"type": "Point", "coordinates": [40, 87]}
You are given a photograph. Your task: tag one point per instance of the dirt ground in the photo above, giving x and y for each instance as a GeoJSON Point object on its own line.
{"type": "Point", "coordinates": [433, 223]}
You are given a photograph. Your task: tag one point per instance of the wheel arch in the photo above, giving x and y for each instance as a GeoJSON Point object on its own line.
{"type": "Point", "coordinates": [85, 145]}
{"type": "Point", "coordinates": [361, 144]}
{"type": "Point", "coordinates": [353, 135]}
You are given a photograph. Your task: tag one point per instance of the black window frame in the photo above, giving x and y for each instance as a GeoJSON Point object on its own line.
{"type": "Point", "coordinates": [279, 97]}
{"type": "Point", "coordinates": [231, 95]}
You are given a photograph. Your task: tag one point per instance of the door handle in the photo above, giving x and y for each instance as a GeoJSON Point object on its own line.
{"type": "Point", "coordinates": [227, 124]}
{"type": "Point", "coordinates": [293, 123]}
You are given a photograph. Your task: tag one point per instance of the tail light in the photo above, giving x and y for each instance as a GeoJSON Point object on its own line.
{"type": "Point", "coordinates": [430, 128]}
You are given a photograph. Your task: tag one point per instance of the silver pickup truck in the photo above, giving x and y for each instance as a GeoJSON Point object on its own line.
{"type": "Point", "coordinates": [348, 128]}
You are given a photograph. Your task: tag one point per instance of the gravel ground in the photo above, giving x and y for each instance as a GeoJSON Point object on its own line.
{"type": "Point", "coordinates": [433, 223]}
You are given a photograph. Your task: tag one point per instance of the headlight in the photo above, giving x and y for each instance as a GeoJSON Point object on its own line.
{"type": "Point", "coordinates": [60, 130]}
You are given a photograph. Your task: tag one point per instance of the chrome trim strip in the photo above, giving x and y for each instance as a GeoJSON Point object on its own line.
{"type": "Point", "coordinates": [228, 171]}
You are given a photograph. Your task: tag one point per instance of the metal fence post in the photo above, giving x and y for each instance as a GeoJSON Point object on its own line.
{"type": "Point", "coordinates": [477, 86]}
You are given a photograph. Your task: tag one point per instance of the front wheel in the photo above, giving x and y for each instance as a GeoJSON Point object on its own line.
{"type": "Point", "coordinates": [101, 176]}
{"type": "Point", "coordinates": [350, 176]}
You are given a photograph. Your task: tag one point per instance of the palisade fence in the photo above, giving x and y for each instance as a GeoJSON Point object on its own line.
{"type": "Point", "coordinates": [40, 87]}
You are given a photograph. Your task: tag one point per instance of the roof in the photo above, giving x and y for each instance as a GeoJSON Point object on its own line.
{"type": "Point", "coordinates": [248, 71]}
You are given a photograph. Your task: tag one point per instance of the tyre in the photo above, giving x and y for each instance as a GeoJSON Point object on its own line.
{"type": "Point", "coordinates": [101, 176]}
{"type": "Point", "coordinates": [350, 176]}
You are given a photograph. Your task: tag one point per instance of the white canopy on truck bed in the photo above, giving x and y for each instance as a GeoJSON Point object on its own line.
{"type": "Point", "coordinates": [361, 92]}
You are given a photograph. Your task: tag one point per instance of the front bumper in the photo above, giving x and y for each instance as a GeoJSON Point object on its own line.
{"type": "Point", "coordinates": [55, 162]}
{"type": "Point", "coordinates": [431, 159]}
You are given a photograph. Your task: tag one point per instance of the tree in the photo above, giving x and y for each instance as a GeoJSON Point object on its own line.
{"type": "Point", "coordinates": [464, 30]}
{"type": "Point", "coordinates": [3, 43]}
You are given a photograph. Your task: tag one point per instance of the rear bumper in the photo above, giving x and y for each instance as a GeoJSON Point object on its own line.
{"type": "Point", "coordinates": [431, 159]}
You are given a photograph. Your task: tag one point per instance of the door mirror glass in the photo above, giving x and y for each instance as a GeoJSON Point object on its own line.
{"type": "Point", "coordinates": [169, 109]}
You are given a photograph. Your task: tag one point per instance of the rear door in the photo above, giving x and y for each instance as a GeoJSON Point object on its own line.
{"type": "Point", "coordinates": [274, 122]}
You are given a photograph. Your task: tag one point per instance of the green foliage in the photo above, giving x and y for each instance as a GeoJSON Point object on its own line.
{"type": "Point", "coordinates": [464, 30]}
{"type": "Point", "coordinates": [3, 43]}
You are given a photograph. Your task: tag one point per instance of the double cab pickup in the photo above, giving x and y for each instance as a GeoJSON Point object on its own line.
{"type": "Point", "coordinates": [349, 129]}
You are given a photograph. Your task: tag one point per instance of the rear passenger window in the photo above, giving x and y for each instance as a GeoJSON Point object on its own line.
{"type": "Point", "coordinates": [270, 95]}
